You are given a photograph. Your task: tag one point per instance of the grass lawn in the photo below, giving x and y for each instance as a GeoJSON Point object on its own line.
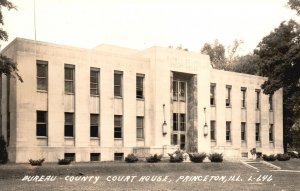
{"type": "Point", "coordinates": [292, 164]}
{"type": "Point", "coordinates": [183, 176]}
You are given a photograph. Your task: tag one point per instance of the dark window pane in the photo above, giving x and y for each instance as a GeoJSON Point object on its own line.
{"type": "Point", "coordinates": [69, 131]}
{"type": "Point", "coordinates": [119, 156]}
{"type": "Point", "coordinates": [95, 156]}
{"type": "Point", "coordinates": [182, 141]}
{"type": "Point", "coordinates": [94, 131]}
{"type": "Point", "coordinates": [69, 74]}
{"type": "Point", "coordinates": [175, 138]}
{"type": "Point", "coordinates": [70, 156]}
{"type": "Point", "coordinates": [41, 130]}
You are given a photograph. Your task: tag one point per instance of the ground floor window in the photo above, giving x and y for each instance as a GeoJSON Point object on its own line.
{"type": "Point", "coordinates": [243, 131]}
{"type": "Point", "coordinates": [119, 157]}
{"type": "Point", "coordinates": [257, 131]}
{"type": "Point", "coordinates": [228, 131]}
{"type": "Point", "coordinates": [271, 129]}
{"type": "Point", "coordinates": [213, 130]}
{"type": "Point", "coordinates": [95, 156]}
{"type": "Point", "coordinates": [70, 156]}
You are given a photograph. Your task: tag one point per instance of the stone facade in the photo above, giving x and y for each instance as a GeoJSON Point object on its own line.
{"type": "Point", "coordinates": [173, 87]}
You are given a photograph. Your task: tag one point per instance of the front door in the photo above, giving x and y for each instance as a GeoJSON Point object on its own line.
{"type": "Point", "coordinates": [179, 130]}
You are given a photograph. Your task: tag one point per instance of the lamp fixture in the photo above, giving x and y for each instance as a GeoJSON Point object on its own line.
{"type": "Point", "coordinates": [205, 128]}
{"type": "Point", "coordinates": [164, 125]}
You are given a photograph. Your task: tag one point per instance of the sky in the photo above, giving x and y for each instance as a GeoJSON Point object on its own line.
{"type": "Point", "coordinates": [140, 24]}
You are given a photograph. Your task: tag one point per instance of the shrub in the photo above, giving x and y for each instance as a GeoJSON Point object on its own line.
{"type": "Point", "coordinates": [154, 158]}
{"type": "Point", "coordinates": [293, 154]}
{"type": "Point", "coordinates": [258, 154]}
{"type": "Point", "coordinates": [283, 157]}
{"type": "Point", "coordinates": [3, 151]}
{"type": "Point", "coordinates": [216, 157]}
{"type": "Point", "coordinates": [176, 157]}
{"type": "Point", "coordinates": [64, 161]}
{"type": "Point", "coordinates": [269, 157]}
{"type": "Point", "coordinates": [38, 162]}
{"type": "Point", "coordinates": [131, 158]}
{"type": "Point", "coordinates": [197, 157]}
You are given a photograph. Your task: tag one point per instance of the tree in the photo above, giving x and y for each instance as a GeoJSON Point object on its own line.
{"type": "Point", "coordinates": [247, 64]}
{"type": "Point", "coordinates": [7, 66]}
{"type": "Point", "coordinates": [216, 54]}
{"type": "Point", "coordinates": [295, 5]}
{"type": "Point", "coordinates": [279, 55]}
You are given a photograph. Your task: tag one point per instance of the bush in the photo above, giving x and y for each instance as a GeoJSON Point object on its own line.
{"type": "Point", "coordinates": [269, 157]}
{"type": "Point", "coordinates": [131, 158]}
{"type": "Point", "coordinates": [154, 158]}
{"type": "Point", "coordinates": [64, 161]}
{"type": "Point", "coordinates": [176, 157]}
{"type": "Point", "coordinates": [293, 154]}
{"type": "Point", "coordinates": [3, 151]}
{"type": "Point", "coordinates": [38, 162]}
{"type": "Point", "coordinates": [197, 157]}
{"type": "Point", "coordinates": [216, 157]}
{"type": "Point", "coordinates": [283, 157]}
{"type": "Point", "coordinates": [258, 154]}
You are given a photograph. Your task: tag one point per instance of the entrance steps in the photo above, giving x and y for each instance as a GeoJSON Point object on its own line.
{"type": "Point", "coordinates": [260, 165]}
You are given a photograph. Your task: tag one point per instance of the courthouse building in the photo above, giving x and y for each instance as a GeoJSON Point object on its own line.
{"type": "Point", "coordinates": [103, 103]}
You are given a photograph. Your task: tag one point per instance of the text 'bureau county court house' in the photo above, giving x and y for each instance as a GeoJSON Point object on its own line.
{"type": "Point", "coordinates": [103, 103]}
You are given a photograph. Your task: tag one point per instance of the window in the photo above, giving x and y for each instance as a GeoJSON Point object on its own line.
{"type": "Point", "coordinates": [42, 75]}
{"type": "Point", "coordinates": [140, 86]}
{"type": "Point", "coordinates": [94, 125]}
{"type": "Point", "coordinates": [70, 156]}
{"type": "Point", "coordinates": [212, 94]}
{"type": "Point", "coordinates": [213, 130]}
{"type": "Point", "coordinates": [228, 129]}
{"type": "Point", "coordinates": [119, 156]}
{"type": "Point", "coordinates": [69, 124]}
{"type": "Point", "coordinates": [118, 83]}
{"type": "Point", "coordinates": [271, 102]}
{"type": "Point", "coordinates": [95, 156]}
{"type": "Point", "coordinates": [271, 129]}
{"type": "Point", "coordinates": [118, 126]}
{"type": "Point", "coordinates": [94, 81]}
{"type": "Point", "coordinates": [243, 94]}
{"type": "Point", "coordinates": [243, 131]}
{"type": "Point", "coordinates": [175, 122]}
{"type": "Point", "coordinates": [257, 99]}
{"type": "Point", "coordinates": [174, 139]}
{"type": "Point", "coordinates": [179, 88]}
{"type": "Point", "coordinates": [228, 94]}
{"type": "Point", "coordinates": [41, 123]}
{"type": "Point", "coordinates": [140, 127]}
{"type": "Point", "coordinates": [257, 132]}
{"type": "Point", "coordinates": [182, 122]}
{"type": "Point", "coordinates": [69, 78]}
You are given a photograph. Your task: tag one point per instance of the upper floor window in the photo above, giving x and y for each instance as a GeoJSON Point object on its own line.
{"type": "Point", "coordinates": [118, 126]}
{"type": "Point", "coordinates": [41, 123]}
{"type": "Point", "coordinates": [179, 89]}
{"type": "Point", "coordinates": [69, 78]}
{"type": "Point", "coordinates": [228, 131]}
{"type": "Point", "coordinates": [257, 106]}
{"type": "Point", "coordinates": [271, 102]}
{"type": "Point", "coordinates": [228, 96]}
{"type": "Point", "coordinates": [271, 133]}
{"type": "Point", "coordinates": [213, 130]}
{"type": "Point", "coordinates": [212, 94]}
{"type": "Point", "coordinates": [42, 75]}
{"type": "Point", "coordinates": [118, 75]}
{"type": "Point", "coordinates": [243, 94]}
{"type": "Point", "coordinates": [94, 81]}
{"type": "Point", "coordinates": [140, 86]}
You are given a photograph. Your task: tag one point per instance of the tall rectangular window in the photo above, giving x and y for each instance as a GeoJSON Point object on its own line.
{"type": "Point", "coordinates": [257, 131]}
{"type": "Point", "coordinates": [228, 131]}
{"type": "Point", "coordinates": [243, 94]}
{"type": "Point", "coordinates": [212, 94]}
{"type": "Point", "coordinates": [228, 96]}
{"type": "Point", "coordinates": [243, 131]}
{"type": "Point", "coordinates": [257, 92]}
{"type": "Point", "coordinates": [69, 124]}
{"type": "Point", "coordinates": [94, 125]}
{"type": "Point", "coordinates": [271, 102]}
{"type": "Point", "coordinates": [213, 130]}
{"type": "Point", "coordinates": [69, 78]}
{"type": "Point", "coordinates": [175, 122]}
{"type": "Point", "coordinates": [118, 83]}
{"type": "Point", "coordinates": [42, 75]}
{"type": "Point", "coordinates": [118, 126]}
{"type": "Point", "coordinates": [181, 91]}
{"type": "Point", "coordinates": [140, 127]}
{"type": "Point", "coordinates": [41, 123]}
{"type": "Point", "coordinates": [271, 134]}
{"type": "Point", "coordinates": [94, 81]}
{"type": "Point", "coordinates": [140, 86]}
{"type": "Point", "coordinates": [182, 122]}
{"type": "Point", "coordinates": [175, 91]}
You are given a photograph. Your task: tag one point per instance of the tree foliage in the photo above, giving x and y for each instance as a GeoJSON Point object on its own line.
{"type": "Point", "coordinates": [279, 55]}
{"type": "Point", "coordinates": [216, 52]}
{"type": "Point", "coordinates": [7, 66]}
{"type": "Point", "coordinates": [295, 5]}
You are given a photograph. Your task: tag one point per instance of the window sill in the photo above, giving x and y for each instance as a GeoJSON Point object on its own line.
{"type": "Point", "coordinates": [243, 108]}
{"type": "Point", "coordinates": [92, 95]}
{"type": "Point", "coordinates": [213, 141]}
{"type": "Point", "coordinates": [118, 97]}
{"type": "Point", "coordinates": [213, 105]}
{"type": "Point", "coordinates": [140, 139]}
{"type": "Point", "coordinates": [257, 141]}
{"type": "Point", "coordinates": [69, 137]}
{"type": "Point", "coordinates": [228, 106]}
{"type": "Point", "coordinates": [68, 93]}
{"type": "Point", "coordinates": [271, 110]}
{"type": "Point", "coordinates": [118, 139]}
{"type": "Point", "coordinates": [41, 137]}
{"type": "Point", "coordinates": [271, 141]}
{"type": "Point", "coordinates": [95, 138]}
{"type": "Point", "coordinates": [140, 99]}
{"type": "Point", "coordinates": [257, 109]}
{"type": "Point", "coordinates": [42, 91]}
{"type": "Point", "coordinates": [228, 141]}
